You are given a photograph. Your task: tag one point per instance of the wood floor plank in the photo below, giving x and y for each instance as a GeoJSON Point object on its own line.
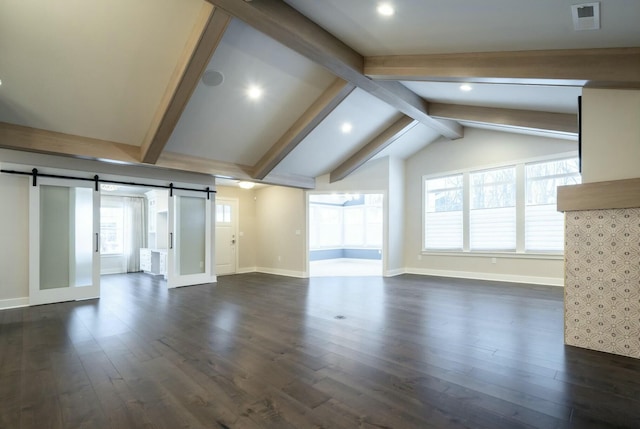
{"type": "Point", "coordinates": [262, 351]}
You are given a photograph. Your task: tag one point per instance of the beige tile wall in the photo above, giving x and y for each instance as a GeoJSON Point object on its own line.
{"type": "Point", "coordinates": [602, 280]}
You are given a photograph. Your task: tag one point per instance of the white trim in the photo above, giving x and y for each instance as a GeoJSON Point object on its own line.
{"type": "Point", "coordinates": [393, 273]}
{"type": "Point", "coordinates": [246, 270]}
{"type": "Point", "coordinates": [511, 278]}
{"type": "Point", "coordinates": [6, 304]}
{"type": "Point", "coordinates": [505, 255]}
{"type": "Point", "coordinates": [279, 272]}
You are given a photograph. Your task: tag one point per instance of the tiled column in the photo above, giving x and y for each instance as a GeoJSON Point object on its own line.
{"type": "Point", "coordinates": [602, 280]}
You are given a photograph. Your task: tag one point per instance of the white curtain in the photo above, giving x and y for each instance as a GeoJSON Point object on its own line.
{"type": "Point", "coordinates": [135, 231]}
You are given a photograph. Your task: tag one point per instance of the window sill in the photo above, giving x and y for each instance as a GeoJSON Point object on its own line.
{"type": "Point", "coordinates": [504, 255]}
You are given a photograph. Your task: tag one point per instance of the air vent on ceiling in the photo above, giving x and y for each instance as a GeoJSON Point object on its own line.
{"type": "Point", "coordinates": [586, 16]}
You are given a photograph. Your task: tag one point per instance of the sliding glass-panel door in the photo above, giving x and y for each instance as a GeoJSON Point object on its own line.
{"type": "Point", "coordinates": [190, 238]}
{"type": "Point", "coordinates": [64, 248]}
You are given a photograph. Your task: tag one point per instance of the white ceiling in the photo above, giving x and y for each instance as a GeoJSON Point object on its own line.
{"type": "Point", "coordinates": [99, 69]}
{"type": "Point", "coordinates": [326, 146]}
{"type": "Point", "coordinates": [222, 123]}
{"type": "Point", "coordinates": [449, 26]}
{"type": "Point", "coordinates": [410, 142]}
{"type": "Point", "coordinates": [559, 99]}
{"type": "Point", "coordinates": [90, 68]}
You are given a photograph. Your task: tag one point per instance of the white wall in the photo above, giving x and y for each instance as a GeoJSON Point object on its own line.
{"type": "Point", "coordinates": [14, 239]}
{"type": "Point", "coordinates": [281, 226]}
{"type": "Point", "coordinates": [479, 148]}
{"type": "Point", "coordinates": [395, 218]}
{"type": "Point", "coordinates": [610, 134]}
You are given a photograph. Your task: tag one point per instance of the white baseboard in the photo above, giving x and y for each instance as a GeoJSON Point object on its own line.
{"type": "Point", "coordinates": [396, 272]}
{"type": "Point", "coordinates": [547, 281]}
{"type": "Point", "coordinates": [5, 304]}
{"type": "Point", "coordinates": [246, 270]}
{"type": "Point", "coordinates": [279, 272]}
{"type": "Point", "coordinates": [111, 271]}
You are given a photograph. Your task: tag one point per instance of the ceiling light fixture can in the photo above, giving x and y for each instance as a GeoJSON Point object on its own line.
{"type": "Point", "coordinates": [346, 127]}
{"type": "Point", "coordinates": [385, 9]}
{"type": "Point", "coordinates": [465, 87]}
{"type": "Point", "coordinates": [254, 92]}
{"type": "Point", "coordinates": [246, 185]}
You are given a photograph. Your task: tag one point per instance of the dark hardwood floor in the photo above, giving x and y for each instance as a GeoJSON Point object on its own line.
{"type": "Point", "coordinates": [261, 351]}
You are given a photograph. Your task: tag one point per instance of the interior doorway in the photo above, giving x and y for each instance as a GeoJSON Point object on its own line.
{"type": "Point", "coordinates": [133, 230]}
{"type": "Point", "coordinates": [345, 234]}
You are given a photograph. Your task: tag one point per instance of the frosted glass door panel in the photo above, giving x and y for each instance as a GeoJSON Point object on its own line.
{"type": "Point", "coordinates": [55, 232]}
{"type": "Point", "coordinates": [66, 237]}
{"type": "Point", "coordinates": [192, 234]}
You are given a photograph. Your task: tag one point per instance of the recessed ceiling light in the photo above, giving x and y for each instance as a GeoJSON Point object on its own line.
{"type": "Point", "coordinates": [465, 87]}
{"type": "Point", "coordinates": [246, 185]}
{"type": "Point", "coordinates": [346, 127]}
{"type": "Point", "coordinates": [386, 9]}
{"type": "Point", "coordinates": [254, 92]}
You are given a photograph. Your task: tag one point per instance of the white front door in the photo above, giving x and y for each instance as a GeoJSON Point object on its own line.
{"type": "Point", "coordinates": [190, 259]}
{"type": "Point", "coordinates": [226, 235]}
{"type": "Point", "coordinates": [64, 241]}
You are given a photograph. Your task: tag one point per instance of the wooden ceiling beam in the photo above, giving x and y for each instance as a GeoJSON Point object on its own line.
{"type": "Point", "coordinates": [600, 67]}
{"type": "Point", "coordinates": [42, 141]}
{"type": "Point", "coordinates": [311, 118]}
{"type": "Point", "coordinates": [202, 43]}
{"type": "Point", "coordinates": [384, 139]}
{"type": "Point", "coordinates": [283, 23]}
{"type": "Point", "coordinates": [177, 161]}
{"type": "Point", "coordinates": [556, 122]}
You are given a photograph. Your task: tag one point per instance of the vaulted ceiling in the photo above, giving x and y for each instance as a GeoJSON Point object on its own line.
{"type": "Point", "coordinates": [123, 80]}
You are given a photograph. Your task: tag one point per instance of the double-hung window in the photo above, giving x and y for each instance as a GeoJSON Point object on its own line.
{"type": "Point", "coordinates": [509, 209]}
{"type": "Point", "coordinates": [492, 217]}
{"type": "Point", "coordinates": [443, 213]}
{"type": "Point", "coordinates": [544, 225]}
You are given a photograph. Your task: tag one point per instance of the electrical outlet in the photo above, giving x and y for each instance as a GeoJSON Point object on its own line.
{"type": "Point", "coordinates": [279, 258]}
{"type": "Point", "coordinates": [419, 257]}
{"type": "Point", "coordinates": [201, 264]}
{"type": "Point", "coordinates": [493, 260]}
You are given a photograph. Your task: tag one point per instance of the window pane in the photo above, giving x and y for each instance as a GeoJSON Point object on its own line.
{"type": "Point", "coordinates": [111, 230]}
{"type": "Point", "coordinates": [326, 222]}
{"type": "Point", "coordinates": [544, 225]}
{"type": "Point", "coordinates": [443, 217]}
{"type": "Point", "coordinates": [492, 218]}
{"type": "Point", "coordinates": [373, 231]}
{"type": "Point", "coordinates": [354, 226]}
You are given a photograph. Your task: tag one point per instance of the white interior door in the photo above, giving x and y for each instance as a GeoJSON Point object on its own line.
{"type": "Point", "coordinates": [190, 259]}
{"type": "Point", "coordinates": [226, 235]}
{"type": "Point", "coordinates": [64, 247]}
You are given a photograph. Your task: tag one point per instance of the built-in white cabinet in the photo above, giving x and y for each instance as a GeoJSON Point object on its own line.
{"type": "Point", "coordinates": [153, 259]}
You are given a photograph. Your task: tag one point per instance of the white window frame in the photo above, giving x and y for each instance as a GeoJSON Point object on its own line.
{"type": "Point", "coordinates": [520, 251]}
